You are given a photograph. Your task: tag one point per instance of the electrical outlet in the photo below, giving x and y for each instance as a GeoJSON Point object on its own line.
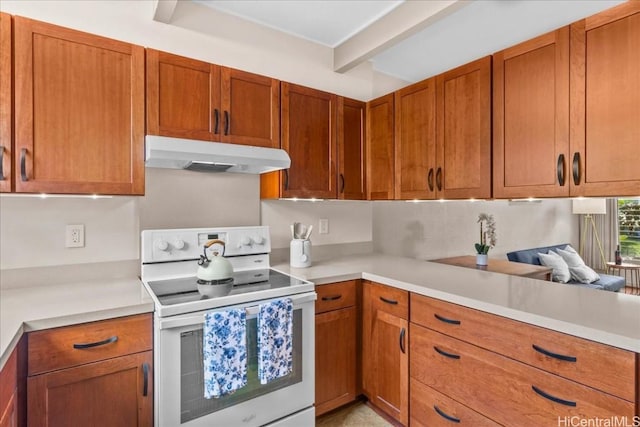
{"type": "Point", "coordinates": [74, 237]}
{"type": "Point", "coordinates": [323, 227]}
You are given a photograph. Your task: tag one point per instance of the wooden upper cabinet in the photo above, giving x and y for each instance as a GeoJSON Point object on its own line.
{"type": "Point", "coordinates": [192, 99]}
{"type": "Point", "coordinates": [6, 87]}
{"type": "Point", "coordinates": [351, 152]}
{"type": "Point", "coordinates": [183, 97]}
{"type": "Point", "coordinates": [379, 148]}
{"type": "Point", "coordinates": [463, 105]}
{"type": "Point", "coordinates": [309, 136]}
{"type": "Point", "coordinates": [79, 112]}
{"type": "Point", "coordinates": [531, 118]}
{"type": "Point", "coordinates": [415, 141]}
{"type": "Point", "coordinates": [605, 103]}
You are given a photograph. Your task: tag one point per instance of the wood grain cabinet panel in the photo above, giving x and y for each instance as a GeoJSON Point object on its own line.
{"type": "Point", "coordinates": [385, 340]}
{"type": "Point", "coordinates": [112, 392]}
{"type": "Point", "coordinates": [9, 391]}
{"type": "Point", "coordinates": [6, 110]}
{"type": "Point", "coordinates": [590, 363]}
{"type": "Point", "coordinates": [504, 389]}
{"type": "Point", "coordinates": [415, 140]}
{"type": "Point", "coordinates": [380, 148]}
{"type": "Point", "coordinates": [531, 118]}
{"type": "Point", "coordinates": [605, 103]}
{"type": "Point", "coordinates": [351, 152]}
{"type": "Point", "coordinates": [79, 112]}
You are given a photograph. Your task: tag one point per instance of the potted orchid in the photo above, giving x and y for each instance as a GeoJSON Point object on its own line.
{"type": "Point", "coordinates": [487, 238]}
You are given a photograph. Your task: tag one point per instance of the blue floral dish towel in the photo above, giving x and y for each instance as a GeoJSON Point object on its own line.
{"type": "Point", "coordinates": [224, 352]}
{"type": "Point", "coordinates": [275, 339]}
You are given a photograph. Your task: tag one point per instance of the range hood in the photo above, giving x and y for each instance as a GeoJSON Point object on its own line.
{"type": "Point", "coordinates": [205, 156]}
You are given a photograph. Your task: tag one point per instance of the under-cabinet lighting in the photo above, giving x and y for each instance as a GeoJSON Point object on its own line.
{"type": "Point", "coordinates": [58, 196]}
{"type": "Point", "coordinates": [296, 199]}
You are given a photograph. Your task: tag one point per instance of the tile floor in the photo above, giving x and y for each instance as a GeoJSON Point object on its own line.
{"type": "Point", "coordinates": [355, 415]}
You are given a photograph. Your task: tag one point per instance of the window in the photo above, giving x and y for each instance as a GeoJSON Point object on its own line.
{"type": "Point", "coordinates": [629, 225]}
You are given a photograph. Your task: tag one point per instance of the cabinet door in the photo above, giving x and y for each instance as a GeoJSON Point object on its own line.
{"type": "Point", "coordinates": [113, 392]}
{"type": "Point", "coordinates": [308, 135]}
{"type": "Point", "coordinates": [605, 103]}
{"type": "Point", "coordinates": [380, 156]}
{"type": "Point", "coordinates": [183, 97]}
{"type": "Point", "coordinates": [464, 131]}
{"type": "Point", "coordinates": [250, 108]}
{"type": "Point", "coordinates": [6, 88]}
{"type": "Point", "coordinates": [351, 141]}
{"type": "Point", "coordinates": [335, 359]}
{"type": "Point", "coordinates": [390, 343]}
{"type": "Point", "coordinates": [415, 141]}
{"type": "Point", "coordinates": [9, 391]}
{"type": "Point", "coordinates": [531, 118]}
{"type": "Point", "coordinates": [79, 112]}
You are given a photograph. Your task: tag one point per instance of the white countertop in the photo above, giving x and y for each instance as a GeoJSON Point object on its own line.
{"type": "Point", "coordinates": [606, 317]}
{"type": "Point", "coordinates": [41, 307]}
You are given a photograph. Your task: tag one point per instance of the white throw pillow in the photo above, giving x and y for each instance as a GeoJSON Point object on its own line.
{"type": "Point", "coordinates": [560, 268]}
{"type": "Point", "coordinates": [578, 269]}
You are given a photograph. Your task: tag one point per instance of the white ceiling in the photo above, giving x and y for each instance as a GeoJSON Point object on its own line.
{"type": "Point", "coordinates": [474, 29]}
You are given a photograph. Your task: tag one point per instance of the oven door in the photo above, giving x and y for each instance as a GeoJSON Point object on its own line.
{"type": "Point", "coordinates": [179, 393]}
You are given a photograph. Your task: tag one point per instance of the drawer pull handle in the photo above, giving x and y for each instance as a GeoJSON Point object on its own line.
{"type": "Point", "coordinates": [445, 415]}
{"type": "Point", "coordinates": [389, 301]}
{"type": "Point", "coordinates": [445, 320]}
{"type": "Point", "coordinates": [216, 119]}
{"type": "Point", "coordinates": [430, 179]}
{"type": "Point", "coordinates": [23, 165]}
{"type": "Point", "coordinates": [576, 168]}
{"type": "Point", "coordinates": [439, 179]}
{"type": "Point", "coordinates": [331, 298]}
{"type": "Point", "coordinates": [227, 122]}
{"type": "Point", "coordinates": [560, 170]}
{"type": "Point", "coordinates": [554, 355]}
{"type": "Point", "coordinates": [341, 183]}
{"type": "Point", "coordinates": [446, 354]}
{"type": "Point", "coordinates": [553, 398]}
{"type": "Point", "coordinates": [286, 179]}
{"type": "Point", "coordinates": [1, 161]}
{"type": "Point", "coordinates": [145, 383]}
{"type": "Point", "coordinates": [403, 332]}
{"type": "Point", "coordinates": [96, 344]}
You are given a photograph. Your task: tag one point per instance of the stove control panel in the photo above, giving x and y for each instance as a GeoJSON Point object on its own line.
{"type": "Point", "coordinates": [188, 243]}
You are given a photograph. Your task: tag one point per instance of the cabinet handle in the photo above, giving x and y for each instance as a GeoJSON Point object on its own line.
{"type": "Point", "coordinates": [430, 179]}
{"type": "Point", "coordinates": [286, 179]}
{"type": "Point", "coordinates": [97, 343]}
{"type": "Point", "coordinates": [576, 168]}
{"type": "Point", "coordinates": [389, 301]}
{"type": "Point", "coordinates": [554, 355]}
{"type": "Point", "coordinates": [145, 375]}
{"type": "Point", "coordinates": [446, 320]}
{"type": "Point", "coordinates": [403, 332]}
{"type": "Point", "coordinates": [560, 170]}
{"type": "Point", "coordinates": [226, 122]}
{"type": "Point", "coordinates": [1, 162]}
{"type": "Point", "coordinates": [341, 183]}
{"type": "Point", "coordinates": [23, 165]}
{"type": "Point", "coordinates": [331, 298]}
{"type": "Point", "coordinates": [445, 415]}
{"type": "Point", "coordinates": [553, 398]}
{"type": "Point", "coordinates": [216, 120]}
{"type": "Point", "coordinates": [446, 354]}
{"type": "Point", "coordinates": [439, 179]}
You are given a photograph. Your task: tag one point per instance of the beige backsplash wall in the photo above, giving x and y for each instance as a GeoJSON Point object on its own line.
{"type": "Point", "coordinates": [440, 229]}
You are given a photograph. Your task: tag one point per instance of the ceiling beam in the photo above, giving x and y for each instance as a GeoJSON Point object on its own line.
{"type": "Point", "coordinates": [402, 22]}
{"type": "Point", "coordinates": [163, 10]}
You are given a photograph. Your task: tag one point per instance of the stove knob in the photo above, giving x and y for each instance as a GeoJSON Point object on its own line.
{"type": "Point", "coordinates": [244, 241]}
{"type": "Point", "coordinates": [162, 245]}
{"type": "Point", "coordinates": [258, 239]}
{"type": "Point", "coordinates": [178, 244]}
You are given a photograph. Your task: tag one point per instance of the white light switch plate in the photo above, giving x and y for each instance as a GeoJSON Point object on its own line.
{"type": "Point", "coordinates": [74, 236]}
{"type": "Point", "coordinates": [323, 227]}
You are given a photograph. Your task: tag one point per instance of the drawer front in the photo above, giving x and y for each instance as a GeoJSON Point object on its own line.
{"type": "Point", "coordinates": [334, 296]}
{"type": "Point", "coordinates": [69, 346]}
{"type": "Point", "coordinates": [603, 367]}
{"type": "Point", "coordinates": [432, 409]}
{"type": "Point", "coordinates": [503, 389]}
{"type": "Point", "coordinates": [390, 300]}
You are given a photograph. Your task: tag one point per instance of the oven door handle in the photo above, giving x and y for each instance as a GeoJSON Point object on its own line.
{"type": "Point", "coordinates": [251, 309]}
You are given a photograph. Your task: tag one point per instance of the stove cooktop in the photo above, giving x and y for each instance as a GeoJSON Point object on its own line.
{"type": "Point", "coordinates": [185, 290]}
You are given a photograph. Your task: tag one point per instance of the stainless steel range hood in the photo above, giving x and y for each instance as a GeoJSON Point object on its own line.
{"type": "Point", "coordinates": [205, 156]}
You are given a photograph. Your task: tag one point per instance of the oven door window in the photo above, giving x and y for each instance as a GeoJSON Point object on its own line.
{"type": "Point", "coordinates": [192, 402]}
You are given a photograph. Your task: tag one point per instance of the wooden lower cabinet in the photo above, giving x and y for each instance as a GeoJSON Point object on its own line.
{"type": "Point", "coordinates": [112, 392]}
{"type": "Point", "coordinates": [502, 389]}
{"type": "Point", "coordinates": [385, 349]}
